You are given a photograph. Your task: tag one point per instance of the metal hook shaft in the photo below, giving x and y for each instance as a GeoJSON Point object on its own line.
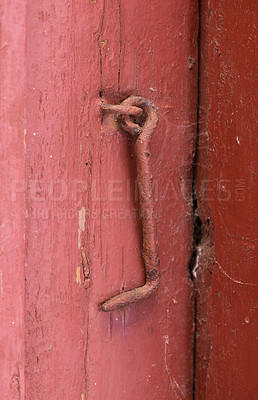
{"type": "Point", "coordinates": [147, 209]}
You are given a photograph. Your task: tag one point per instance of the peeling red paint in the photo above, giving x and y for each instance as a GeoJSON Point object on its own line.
{"type": "Point", "coordinates": [75, 50]}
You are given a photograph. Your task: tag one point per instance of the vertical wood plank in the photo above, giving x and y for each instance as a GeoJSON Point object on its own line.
{"type": "Point", "coordinates": [12, 198]}
{"type": "Point", "coordinates": [57, 173]}
{"type": "Point", "coordinates": [145, 351]}
{"type": "Point", "coordinates": [83, 228]}
{"type": "Point", "coordinates": [226, 275]}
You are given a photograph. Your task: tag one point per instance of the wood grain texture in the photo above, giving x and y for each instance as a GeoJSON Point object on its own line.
{"type": "Point", "coordinates": [56, 323]}
{"type": "Point", "coordinates": [83, 228]}
{"type": "Point", "coordinates": [227, 191]}
{"type": "Point", "coordinates": [12, 198]}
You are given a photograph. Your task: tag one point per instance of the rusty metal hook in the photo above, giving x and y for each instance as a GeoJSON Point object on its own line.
{"type": "Point", "coordinates": [136, 106]}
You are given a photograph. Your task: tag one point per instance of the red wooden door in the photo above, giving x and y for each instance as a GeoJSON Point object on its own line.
{"type": "Point", "coordinates": [83, 232]}
{"type": "Point", "coordinates": [71, 233]}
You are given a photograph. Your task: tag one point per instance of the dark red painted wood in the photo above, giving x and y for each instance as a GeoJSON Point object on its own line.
{"type": "Point", "coordinates": [227, 192]}
{"type": "Point", "coordinates": [12, 198]}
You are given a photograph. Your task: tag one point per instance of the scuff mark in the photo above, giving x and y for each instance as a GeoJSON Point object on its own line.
{"type": "Point", "coordinates": [82, 216]}
{"type": "Point", "coordinates": [136, 70]}
{"type": "Point", "coordinates": [99, 44]}
{"type": "Point", "coordinates": [122, 267]}
{"type": "Point", "coordinates": [104, 42]}
{"type": "Point", "coordinates": [106, 261]}
{"type": "Point", "coordinates": [24, 138]}
{"type": "Point", "coordinates": [110, 325]}
{"type": "Point", "coordinates": [15, 381]}
{"type": "Point", "coordinates": [1, 284]}
{"type": "Point", "coordinates": [84, 259]}
{"type": "Point", "coordinates": [78, 275]}
{"type": "Point", "coordinates": [232, 279]}
{"type": "Point", "coordinates": [3, 46]}
{"type": "Point", "coordinates": [173, 383]}
{"type": "Point", "coordinates": [86, 355]}
{"type": "Point", "coordinates": [191, 62]}
{"type": "Point", "coordinates": [123, 287]}
{"type": "Point", "coordinates": [85, 270]}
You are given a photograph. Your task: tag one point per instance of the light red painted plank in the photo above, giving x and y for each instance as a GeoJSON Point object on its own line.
{"type": "Point", "coordinates": [145, 351]}
{"type": "Point", "coordinates": [12, 199]}
{"type": "Point", "coordinates": [226, 345]}
{"type": "Point", "coordinates": [57, 118]}
{"type": "Point", "coordinates": [85, 244]}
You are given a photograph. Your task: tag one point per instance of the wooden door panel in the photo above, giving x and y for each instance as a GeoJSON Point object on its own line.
{"type": "Point", "coordinates": [83, 232]}
{"type": "Point", "coordinates": [226, 278]}
{"type": "Point", "coordinates": [139, 355]}
{"type": "Point", "coordinates": [12, 199]}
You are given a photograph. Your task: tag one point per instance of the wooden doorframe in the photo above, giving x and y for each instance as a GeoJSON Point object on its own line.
{"type": "Point", "coordinates": [225, 271]}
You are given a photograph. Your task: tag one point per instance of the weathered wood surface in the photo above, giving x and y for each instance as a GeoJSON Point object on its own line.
{"type": "Point", "coordinates": [226, 276]}
{"type": "Point", "coordinates": [83, 239]}
{"type": "Point", "coordinates": [12, 198]}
